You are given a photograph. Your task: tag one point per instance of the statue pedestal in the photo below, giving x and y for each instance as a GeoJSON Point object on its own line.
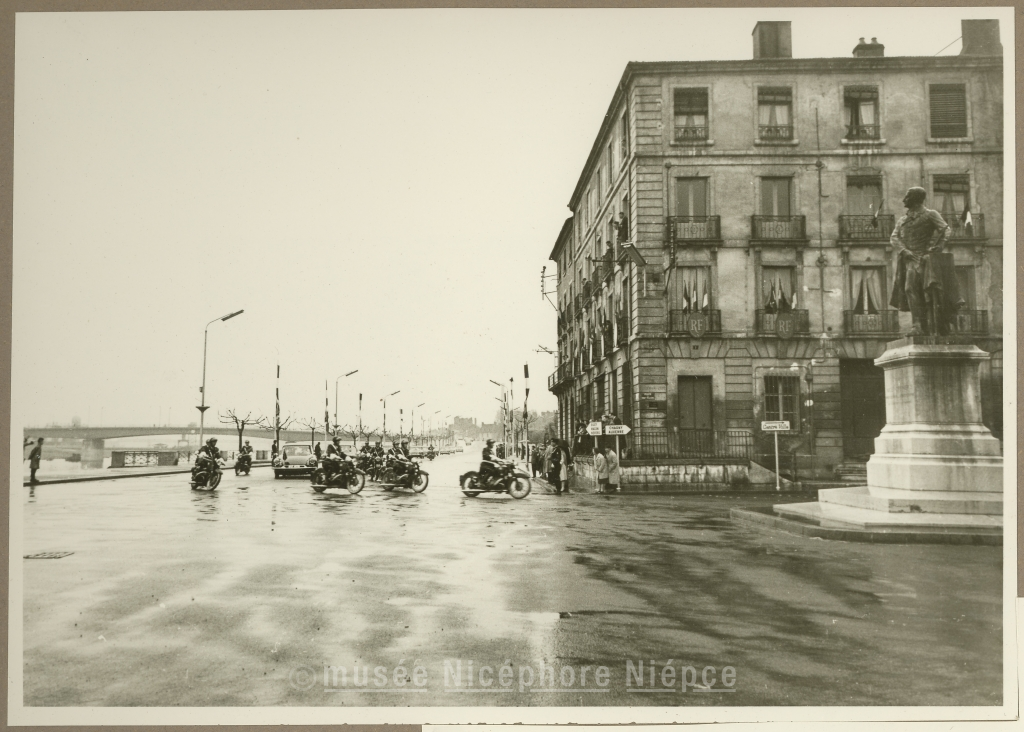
{"type": "Point", "coordinates": [936, 467]}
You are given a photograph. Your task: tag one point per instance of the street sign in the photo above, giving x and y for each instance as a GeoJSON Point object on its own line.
{"type": "Point", "coordinates": [778, 426]}
{"type": "Point", "coordinates": [594, 429]}
{"type": "Point", "coordinates": [616, 429]}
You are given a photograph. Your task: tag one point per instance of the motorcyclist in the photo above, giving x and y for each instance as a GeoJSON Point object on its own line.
{"type": "Point", "coordinates": [405, 450]}
{"type": "Point", "coordinates": [245, 454]}
{"type": "Point", "coordinates": [334, 457]}
{"type": "Point", "coordinates": [207, 456]}
{"type": "Point", "coordinates": [489, 462]}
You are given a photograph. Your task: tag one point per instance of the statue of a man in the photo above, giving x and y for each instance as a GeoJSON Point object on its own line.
{"type": "Point", "coordinates": [925, 282]}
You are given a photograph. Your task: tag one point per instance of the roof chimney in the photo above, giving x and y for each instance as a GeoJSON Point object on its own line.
{"type": "Point", "coordinates": [773, 39]}
{"type": "Point", "coordinates": [869, 50]}
{"type": "Point", "coordinates": [980, 38]}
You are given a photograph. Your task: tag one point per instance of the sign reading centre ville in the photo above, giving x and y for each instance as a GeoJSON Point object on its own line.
{"type": "Point", "coordinates": [616, 429]}
{"type": "Point", "coordinates": [594, 429]}
{"type": "Point", "coordinates": [778, 426]}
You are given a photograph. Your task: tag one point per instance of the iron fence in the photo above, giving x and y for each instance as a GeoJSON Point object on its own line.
{"type": "Point", "coordinates": [884, 321]}
{"type": "Point", "coordinates": [778, 227]}
{"type": "Point", "coordinates": [774, 132]}
{"type": "Point", "coordinates": [691, 228]}
{"type": "Point", "coordinates": [785, 323]}
{"type": "Point", "coordinates": [665, 443]}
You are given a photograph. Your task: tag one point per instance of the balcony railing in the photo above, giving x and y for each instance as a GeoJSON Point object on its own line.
{"type": "Point", "coordinates": [971, 321]}
{"type": "Point", "coordinates": [695, 323]}
{"type": "Point", "coordinates": [691, 134]}
{"type": "Point", "coordinates": [869, 228]}
{"type": "Point", "coordinates": [771, 133]}
{"type": "Point", "coordinates": [862, 132]}
{"type": "Point", "coordinates": [600, 274]}
{"type": "Point", "coordinates": [651, 444]}
{"type": "Point", "coordinates": [960, 230]}
{"type": "Point", "coordinates": [778, 228]}
{"type": "Point", "coordinates": [884, 321]}
{"type": "Point", "coordinates": [694, 228]}
{"type": "Point", "coordinates": [587, 290]}
{"type": "Point", "coordinates": [787, 323]}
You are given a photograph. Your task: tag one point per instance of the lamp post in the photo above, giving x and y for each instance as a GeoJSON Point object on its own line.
{"type": "Point", "coordinates": [412, 422]}
{"type": "Point", "coordinates": [202, 390]}
{"type": "Point", "coordinates": [503, 407]}
{"type": "Point", "coordinates": [336, 395]}
{"type": "Point", "coordinates": [385, 401]}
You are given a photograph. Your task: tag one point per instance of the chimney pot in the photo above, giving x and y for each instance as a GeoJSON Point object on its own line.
{"type": "Point", "coordinates": [773, 39]}
{"type": "Point", "coordinates": [869, 50]}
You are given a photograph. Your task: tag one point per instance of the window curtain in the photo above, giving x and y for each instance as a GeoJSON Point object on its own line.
{"type": "Point", "coordinates": [690, 289]}
{"type": "Point", "coordinates": [867, 290]}
{"type": "Point", "coordinates": [773, 114]}
{"type": "Point", "coordinates": [777, 293]}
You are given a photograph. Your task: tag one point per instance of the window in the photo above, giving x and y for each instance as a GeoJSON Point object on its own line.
{"type": "Point", "coordinates": [868, 293]}
{"type": "Point", "coordinates": [965, 282]}
{"type": "Point", "coordinates": [860, 112]}
{"type": "Point", "coordinates": [774, 118]}
{"type": "Point", "coordinates": [691, 115]}
{"type": "Point", "coordinates": [612, 167]}
{"type": "Point", "coordinates": [782, 399]}
{"type": "Point", "coordinates": [863, 196]}
{"type": "Point", "coordinates": [952, 197]}
{"type": "Point", "coordinates": [778, 292]}
{"type": "Point", "coordinates": [692, 197]}
{"type": "Point", "coordinates": [690, 289]}
{"type": "Point", "coordinates": [775, 199]}
{"type": "Point", "coordinates": [948, 107]}
{"type": "Point", "coordinates": [624, 137]}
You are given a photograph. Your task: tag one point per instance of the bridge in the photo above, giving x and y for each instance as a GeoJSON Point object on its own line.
{"type": "Point", "coordinates": [218, 430]}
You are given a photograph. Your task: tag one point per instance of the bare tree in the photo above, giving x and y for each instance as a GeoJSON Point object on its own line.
{"type": "Point", "coordinates": [312, 424]}
{"type": "Point", "coordinates": [240, 422]}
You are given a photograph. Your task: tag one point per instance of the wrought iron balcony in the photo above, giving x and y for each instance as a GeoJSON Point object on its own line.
{"type": "Point", "coordinates": [867, 227]}
{"type": "Point", "coordinates": [884, 321]}
{"type": "Point", "coordinates": [691, 134]}
{"type": "Point", "coordinates": [587, 290]}
{"type": "Point", "coordinates": [862, 132]}
{"type": "Point", "coordinates": [778, 228]}
{"type": "Point", "coordinates": [971, 321]}
{"type": "Point", "coordinates": [959, 230]}
{"type": "Point", "coordinates": [772, 133]}
{"type": "Point", "coordinates": [694, 323]}
{"type": "Point", "coordinates": [694, 228]}
{"type": "Point", "coordinates": [787, 323]}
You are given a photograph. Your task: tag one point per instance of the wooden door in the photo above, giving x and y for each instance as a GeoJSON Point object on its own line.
{"type": "Point", "coordinates": [862, 398]}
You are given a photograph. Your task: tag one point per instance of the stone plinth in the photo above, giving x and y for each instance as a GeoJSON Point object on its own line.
{"type": "Point", "coordinates": [936, 467]}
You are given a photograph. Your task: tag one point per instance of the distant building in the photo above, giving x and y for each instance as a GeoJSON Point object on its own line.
{"type": "Point", "coordinates": [746, 295]}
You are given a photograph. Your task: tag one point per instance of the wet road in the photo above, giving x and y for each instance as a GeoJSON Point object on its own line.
{"type": "Point", "coordinates": [243, 597]}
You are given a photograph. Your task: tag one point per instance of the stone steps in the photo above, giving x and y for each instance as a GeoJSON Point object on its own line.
{"type": "Point", "coordinates": [838, 516]}
{"type": "Point", "coordinates": [903, 502]}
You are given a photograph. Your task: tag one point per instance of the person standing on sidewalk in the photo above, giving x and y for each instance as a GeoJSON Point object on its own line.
{"type": "Point", "coordinates": [601, 468]}
{"type": "Point", "coordinates": [33, 460]}
{"type": "Point", "coordinates": [612, 461]}
{"type": "Point", "coordinates": [555, 470]}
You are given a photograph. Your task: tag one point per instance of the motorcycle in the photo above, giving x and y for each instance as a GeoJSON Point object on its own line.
{"type": "Point", "coordinates": [412, 477]}
{"type": "Point", "coordinates": [507, 479]}
{"type": "Point", "coordinates": [243, 463]}
{"type": "Point", "coordinates": [342, 474]}
{"type": "Point", "coordinates": [206, 474]}
{"type": "Point", "coordinates": [431, 453]}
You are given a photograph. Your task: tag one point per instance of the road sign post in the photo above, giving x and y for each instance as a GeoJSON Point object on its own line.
{"type": "Point", "coordinates": [775, 427]}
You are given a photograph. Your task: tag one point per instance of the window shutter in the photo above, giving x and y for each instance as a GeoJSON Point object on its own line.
{"type": "Point", "coordinates": [691, 101]}
{"type": "Point", "coordinates": [948, 110]}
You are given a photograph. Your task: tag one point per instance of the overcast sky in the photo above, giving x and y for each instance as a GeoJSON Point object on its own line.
{"type": "Point", "coordinates": [377, 189]}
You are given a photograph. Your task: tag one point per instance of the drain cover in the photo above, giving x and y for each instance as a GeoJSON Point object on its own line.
{"type": "Point", "coordinates": [48, 555]}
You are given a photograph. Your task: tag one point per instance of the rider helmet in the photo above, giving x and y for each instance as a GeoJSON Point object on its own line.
{"type": "Point", "coordinates": [212, 441]}
{"type": "Point", "coordinates": [336, 440]}
{"type": "Point", "coordinates": [490, 443]}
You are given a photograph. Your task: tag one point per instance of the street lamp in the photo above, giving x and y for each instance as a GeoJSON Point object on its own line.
{"type": "Point", "coordinates": [385, 401]}
{"type": "Point", "coordinates": [336, 395]}
{"type": "Point", "coordinates": [202, 390]}
{"type": "Point", "coordinates": [412, 422]}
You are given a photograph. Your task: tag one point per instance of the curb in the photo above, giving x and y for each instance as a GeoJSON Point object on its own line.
{"type": "Point", "coordinates": [88, 478]}
{"type": "Point", "coordinates": [758, 519]}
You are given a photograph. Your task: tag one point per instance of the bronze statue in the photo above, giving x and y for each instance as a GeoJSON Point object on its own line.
{"type": "Point", "coordinates": [925, 282]}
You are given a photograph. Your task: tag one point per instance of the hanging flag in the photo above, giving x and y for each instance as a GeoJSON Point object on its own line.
{"type": "Point", "coordinates": [771, 305]}
{"type": "Point", "coordinates": [705, 302]}
{"type": "Point", "coordinates": [686, 297]}
{"type": "Point", "coordinates": [967, 219]}
{"type": "Point", "coordinates": [877, 212]}
{"type": "Point", "coordinates": [783, 302]}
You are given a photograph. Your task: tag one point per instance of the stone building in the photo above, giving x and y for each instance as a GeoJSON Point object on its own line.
{"type": "Point", "coordinates": [727, 259]}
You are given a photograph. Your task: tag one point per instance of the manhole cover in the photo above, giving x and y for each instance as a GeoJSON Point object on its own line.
{"type": "Point", "coordinates": [48, 555]}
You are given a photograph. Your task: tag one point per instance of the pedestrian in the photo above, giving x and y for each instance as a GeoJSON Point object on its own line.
{"type": "Point", "coordinates": [566, 461]}
{"type": "Point", "coordinates": [33, 460]}
{"type": "Point", "coordinates": [612, 461]}
{"type": "Point", "coordinates": [537, 461]}
{"type": "Point", "coordinates": [318, 451]}
{"type": "Point", "coordinates": [555, 473]}
{"type": "Point", "coordinates": [601, 468]}
{"type": "Point", "coordinates": [273, 450]}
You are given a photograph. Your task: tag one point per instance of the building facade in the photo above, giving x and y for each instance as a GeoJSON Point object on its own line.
{"type": "Point", "coordinates": [728, 256]}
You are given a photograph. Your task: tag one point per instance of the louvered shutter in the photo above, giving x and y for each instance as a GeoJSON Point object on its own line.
{"type": "Point", "coordinates": [948, 110]}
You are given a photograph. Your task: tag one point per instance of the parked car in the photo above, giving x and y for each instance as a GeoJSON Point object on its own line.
{"type": "Point", "coordinates": [295, 459]}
